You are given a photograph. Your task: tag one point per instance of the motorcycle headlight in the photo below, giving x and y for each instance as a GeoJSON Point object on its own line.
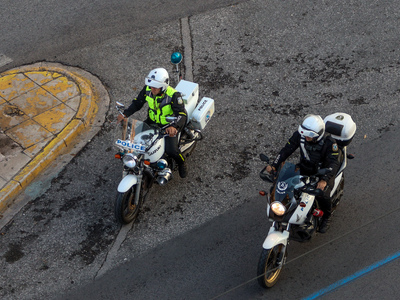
{"type": "Point", "coordinates": [278, 208]}
{"type": "Point", "coordinates": [129, 160]}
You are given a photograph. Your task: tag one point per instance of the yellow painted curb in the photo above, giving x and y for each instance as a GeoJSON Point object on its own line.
{"type": "Point", "coordinates": [63, 142]}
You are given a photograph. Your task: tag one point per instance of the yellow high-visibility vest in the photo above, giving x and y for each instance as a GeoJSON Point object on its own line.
{"type": "Point", "coordinates": [160, 106]}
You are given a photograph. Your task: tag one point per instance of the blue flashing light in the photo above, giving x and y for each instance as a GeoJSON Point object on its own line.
{"type": "Point", "coordinates": [162, 164]}
{"type": "Point", "coordinates": [176, 58]}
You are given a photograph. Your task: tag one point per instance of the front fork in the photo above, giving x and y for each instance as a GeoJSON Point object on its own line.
{"type": "Point", "coordinates": [138, 188]}
{"type": "Point", "coordinates": [276, 237]}
{"type": "Point", "coordinates": [130, 180]}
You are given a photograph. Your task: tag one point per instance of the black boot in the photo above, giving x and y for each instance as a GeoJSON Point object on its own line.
{"type": "Point", "coordinates": [324, 225]}
{"type": "Point", "coordinates": [182, 170]}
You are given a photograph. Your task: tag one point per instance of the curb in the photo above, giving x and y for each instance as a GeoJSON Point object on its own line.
{"type": "Point", "coordinates": [91, 92]}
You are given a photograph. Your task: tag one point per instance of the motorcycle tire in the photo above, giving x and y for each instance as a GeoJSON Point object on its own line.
{"type": "Point", "coordinates": [190, 150]}
{"type": "Point", "coordinates": [126, 211]}
{"type": "Point", "coordinates": [270, 265]}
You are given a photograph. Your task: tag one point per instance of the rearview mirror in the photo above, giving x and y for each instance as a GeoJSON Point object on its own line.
{"type": "Point", "coordinates": [120, 105]}
{"type": "Point", "coordinates": [265, 158]}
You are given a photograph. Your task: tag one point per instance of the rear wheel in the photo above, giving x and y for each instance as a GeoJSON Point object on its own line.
{"type": "Point", "coordinates": [270, 265]}
{"type": "Point", "coordinates": [189, 151]}
{"type": "Point", "coordinates": [187, 144]}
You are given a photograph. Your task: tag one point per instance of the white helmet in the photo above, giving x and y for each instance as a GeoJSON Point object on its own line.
{"type": "Point", "coordinates": [157, 78]}
{"type": "Point", "coordinates": [313, 126]}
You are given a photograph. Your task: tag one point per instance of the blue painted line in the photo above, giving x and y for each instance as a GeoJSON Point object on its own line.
{"type": "Point", "coordinates": [352, 277]}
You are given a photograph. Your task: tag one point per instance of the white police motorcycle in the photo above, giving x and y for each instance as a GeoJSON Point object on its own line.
{"type": "Point", "coordinates": [142, 151]}
{"type": "Point", "coordinates": [292, 209]}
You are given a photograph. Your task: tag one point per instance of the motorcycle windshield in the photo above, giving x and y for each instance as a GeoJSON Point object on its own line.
{"type": "Point", "coordinates": [136, 136]}
{"type": "Point", "coordinates": [140, 127]}
{"type": "Point", "coordinates": [286, 182]}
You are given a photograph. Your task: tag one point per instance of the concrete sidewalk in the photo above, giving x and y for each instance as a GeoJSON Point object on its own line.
{"type": "Point", "coordinates": [46, 110]}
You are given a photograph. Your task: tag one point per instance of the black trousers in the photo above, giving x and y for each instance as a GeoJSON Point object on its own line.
{"type": "Point", "coordinates": [171, 145]}
{"type": "Point", "coordinates": [325, 202]}
{"type": "Point", "coordinates": [172, 149]}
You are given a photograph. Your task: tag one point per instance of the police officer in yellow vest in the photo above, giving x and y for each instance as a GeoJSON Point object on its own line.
{"type": "Point", "coordinates": [163, 101]}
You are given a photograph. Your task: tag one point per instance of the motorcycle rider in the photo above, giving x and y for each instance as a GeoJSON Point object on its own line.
{"type": "Point", "coordinates": [163, 101]}
{"type": "Point", "coordinates": [317, 150]}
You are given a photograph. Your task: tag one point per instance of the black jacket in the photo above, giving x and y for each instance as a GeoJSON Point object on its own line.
{"type": "Point", "coordinates": [322, 154]}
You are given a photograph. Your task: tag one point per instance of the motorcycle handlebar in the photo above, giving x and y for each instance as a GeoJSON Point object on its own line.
{"type": "Point", "coordinates": [162, 134]}
{"type": "Point", "coordinates": [310, 189]}
{"type": "Point", "coordinates": [267, 176]}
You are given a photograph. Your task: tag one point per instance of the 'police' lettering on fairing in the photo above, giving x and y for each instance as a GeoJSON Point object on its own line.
{"type": "Point", "coordinates": [129, 145]}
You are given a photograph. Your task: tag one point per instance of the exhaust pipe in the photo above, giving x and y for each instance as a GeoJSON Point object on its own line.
{"type": "Point", "coordinates": [164, 176]}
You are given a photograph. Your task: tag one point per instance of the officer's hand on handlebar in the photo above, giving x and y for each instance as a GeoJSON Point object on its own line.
{"type": "Point", "coordinates": [267, 173]}
{"type": "Point", "coordinates": [171, 131]}
{"type": "Point", "coordinates": [120, 117]}
{"type": "Point", "coordinates": [321, 184]}
{"type": "Point", "coordinates": [270, 169]}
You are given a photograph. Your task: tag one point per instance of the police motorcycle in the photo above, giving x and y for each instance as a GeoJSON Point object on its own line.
{"type": "Point", "coordinates": [292, 209]}
{"type": "Point", "coordinates": [142, 151]}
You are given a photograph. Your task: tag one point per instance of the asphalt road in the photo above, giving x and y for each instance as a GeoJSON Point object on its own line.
{"type": "Point", "coordinates": [42, 30]}
{"type": "Point", "coordinates": [218, 259]}
{"type": "Point", "coordinates": [266, 64]}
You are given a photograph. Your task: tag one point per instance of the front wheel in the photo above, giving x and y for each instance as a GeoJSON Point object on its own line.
{"type": "Point", "coordinates": [126, 211]}
{"type": "Point", "coordinates": [270, 265]}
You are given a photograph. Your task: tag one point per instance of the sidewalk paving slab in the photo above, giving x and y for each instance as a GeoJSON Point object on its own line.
{"type": "Point", "coordinates": [46, 110]}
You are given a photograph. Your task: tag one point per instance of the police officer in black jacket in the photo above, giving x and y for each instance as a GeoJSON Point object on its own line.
{"type": "Point", "coordinates": [317, 150]}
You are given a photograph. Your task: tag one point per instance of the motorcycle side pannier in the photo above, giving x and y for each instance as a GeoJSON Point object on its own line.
{"type": "Point", "coordinates": [203, 113]}
{"type": "Point", "coordinates": [341, 126]}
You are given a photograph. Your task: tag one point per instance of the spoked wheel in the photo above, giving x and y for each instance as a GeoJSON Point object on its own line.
{"type": "Point", "coordinates": [126, 211]}
{"type": "Point", "coordinates": [188, 150]}
{"type": "Point", "coordinates": [270, 265]}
